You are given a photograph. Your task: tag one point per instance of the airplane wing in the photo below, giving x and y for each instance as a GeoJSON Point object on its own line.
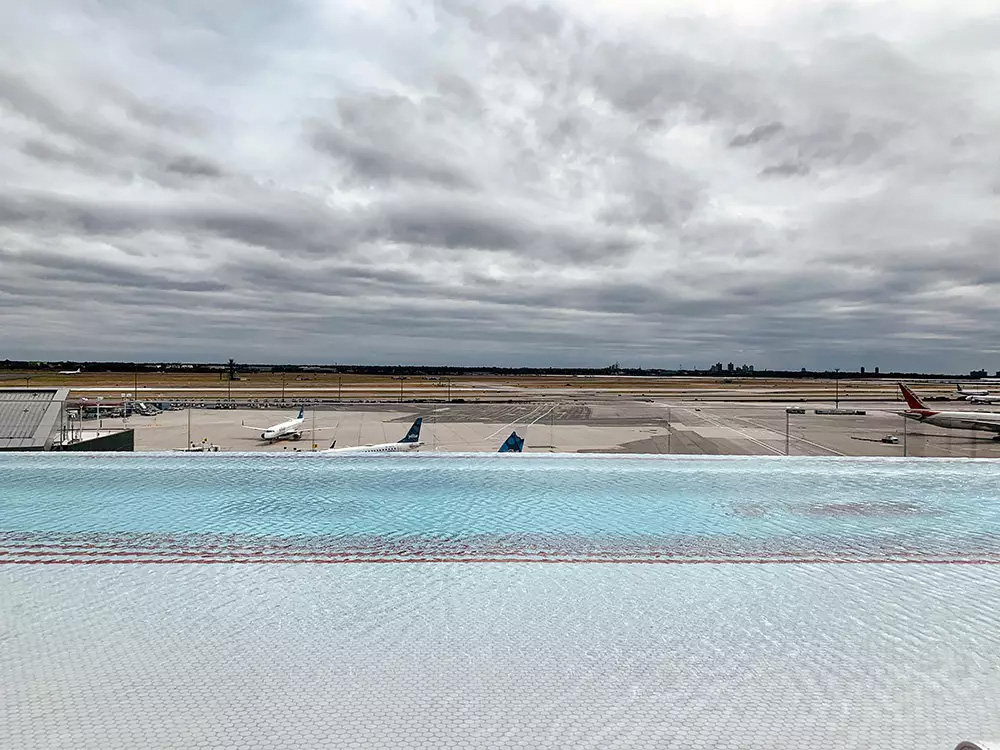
{"type": "Point", "coordinates": [301, 428]}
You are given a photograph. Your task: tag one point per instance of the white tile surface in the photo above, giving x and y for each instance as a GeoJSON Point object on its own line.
{"type": "Point", "coordinates": [729, 657]}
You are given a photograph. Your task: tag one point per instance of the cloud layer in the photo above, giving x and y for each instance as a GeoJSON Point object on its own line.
{"type": "Point", "coordinates": [465, 182]}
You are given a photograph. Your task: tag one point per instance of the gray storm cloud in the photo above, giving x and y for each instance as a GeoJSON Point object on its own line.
{"type": "Point", "coordinates": [451, 182]}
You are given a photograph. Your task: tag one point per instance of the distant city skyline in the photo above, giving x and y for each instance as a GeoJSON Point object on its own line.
{"type": "Point", "coordinates": [564, 183]}
{"type": "Point", "coordinates": [234, 368]}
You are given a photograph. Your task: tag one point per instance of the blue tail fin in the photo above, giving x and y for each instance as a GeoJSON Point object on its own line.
{"type": "Point", "coordinates": [514, 444]}
{"type": "Point", "coordinates": [302, 411]}
{"type": "Point", "coordinates": [413, 436]}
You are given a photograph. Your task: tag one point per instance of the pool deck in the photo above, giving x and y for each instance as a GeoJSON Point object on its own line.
{"type": "Point", "coordinates": [499, 656]}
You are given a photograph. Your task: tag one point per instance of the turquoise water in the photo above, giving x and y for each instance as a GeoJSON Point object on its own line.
{"type": "Point", "coordinates": [117, 633]}
{"type": "Point", "coordinates": [470, 505]}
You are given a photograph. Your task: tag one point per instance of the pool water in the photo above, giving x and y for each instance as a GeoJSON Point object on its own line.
{"type": "Point", "coordinates": [766, 603]}
{"type": "Point", "coordinates": [464, 507]}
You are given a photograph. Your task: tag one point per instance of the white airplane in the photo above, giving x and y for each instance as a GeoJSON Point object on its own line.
{"type": "Point", "coordinates": [291, 429]}
{"type": "Point", "coordinates": [984, 399]}
{"type": "Point", "coordinates": [410, 442]}
{"type": "Point", "coordinates": [70, 372]}
{"type": "Point", "coordinates": [967, 394]}
{"type": "Point", "coordinates": [958, 420]}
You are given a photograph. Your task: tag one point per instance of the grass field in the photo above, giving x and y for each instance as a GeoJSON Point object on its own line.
{"type": "Point", "coordinates": [368, 387]}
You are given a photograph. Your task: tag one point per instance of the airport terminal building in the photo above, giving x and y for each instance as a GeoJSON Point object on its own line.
{"type": "Point", "coordinates": [35, 419]}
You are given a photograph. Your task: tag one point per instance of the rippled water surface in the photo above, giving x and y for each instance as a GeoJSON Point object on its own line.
{"type": "Point", "coordinates": [465, 506]}
{"type": "Point", "coordinates": [769, 603]}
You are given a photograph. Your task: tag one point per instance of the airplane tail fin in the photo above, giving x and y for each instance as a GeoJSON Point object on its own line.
{"type": "Point", "coordinates": [514, 444]}
{"type": "Point", "coordinates": [302, 411]}
{"type": "Point", "coordinates": [911, 398]}
{"type": "Point", "coordinates": [333, 445]}
{"type": "Point", "coordinates": [413, 436]}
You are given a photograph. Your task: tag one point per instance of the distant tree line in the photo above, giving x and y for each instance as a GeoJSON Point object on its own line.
{"type": "Point", "coordinates": [716, 370]}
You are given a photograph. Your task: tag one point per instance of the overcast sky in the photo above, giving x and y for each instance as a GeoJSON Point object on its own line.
{"type": "Point", "coordinates": [466, 182]}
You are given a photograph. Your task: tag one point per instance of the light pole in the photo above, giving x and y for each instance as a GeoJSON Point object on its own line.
{"type": "Point", "coordinates": [836, 380]}
{"type": "Point", "coordinates": [340, 379]}
{"type": "Point", "coordinates": [905, 420]}
{"type": "Point", "coordinates": [282, 387]}
{"type": "Point", "coordinates": [668, 430]}
{"type": "Point", "coordinates": [787, 416]}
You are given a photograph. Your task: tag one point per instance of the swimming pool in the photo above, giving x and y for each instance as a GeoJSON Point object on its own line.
{"type": "Point", "coordinates": [767, 603]}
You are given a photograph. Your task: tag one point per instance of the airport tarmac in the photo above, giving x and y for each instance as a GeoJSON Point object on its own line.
{"type": "Point", "coordinates": [352, 427]}
{"type": "Point", "coordinates": [760, 429]}
{"type": "Point", "coordinates": [649, 426]}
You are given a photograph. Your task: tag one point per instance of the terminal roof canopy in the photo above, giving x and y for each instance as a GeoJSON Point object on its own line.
{"type": "Point", "coordinates": [28, 416]}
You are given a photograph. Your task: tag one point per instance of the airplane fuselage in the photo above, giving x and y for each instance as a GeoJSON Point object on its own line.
{"type": "Point", "coordinates": [967, 394]}
{"type": "Point", "coordinates": [984, 399]}
{"type": "Point", "coordinates": [290, 429]}
{"type": "Point", "coordinates": [381, 448]}
{"type": "Point", "coordinates": [958, 420]}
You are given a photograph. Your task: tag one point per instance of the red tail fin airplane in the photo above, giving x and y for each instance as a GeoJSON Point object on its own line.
{"type": "Point", "coordinates": [956, 420]}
